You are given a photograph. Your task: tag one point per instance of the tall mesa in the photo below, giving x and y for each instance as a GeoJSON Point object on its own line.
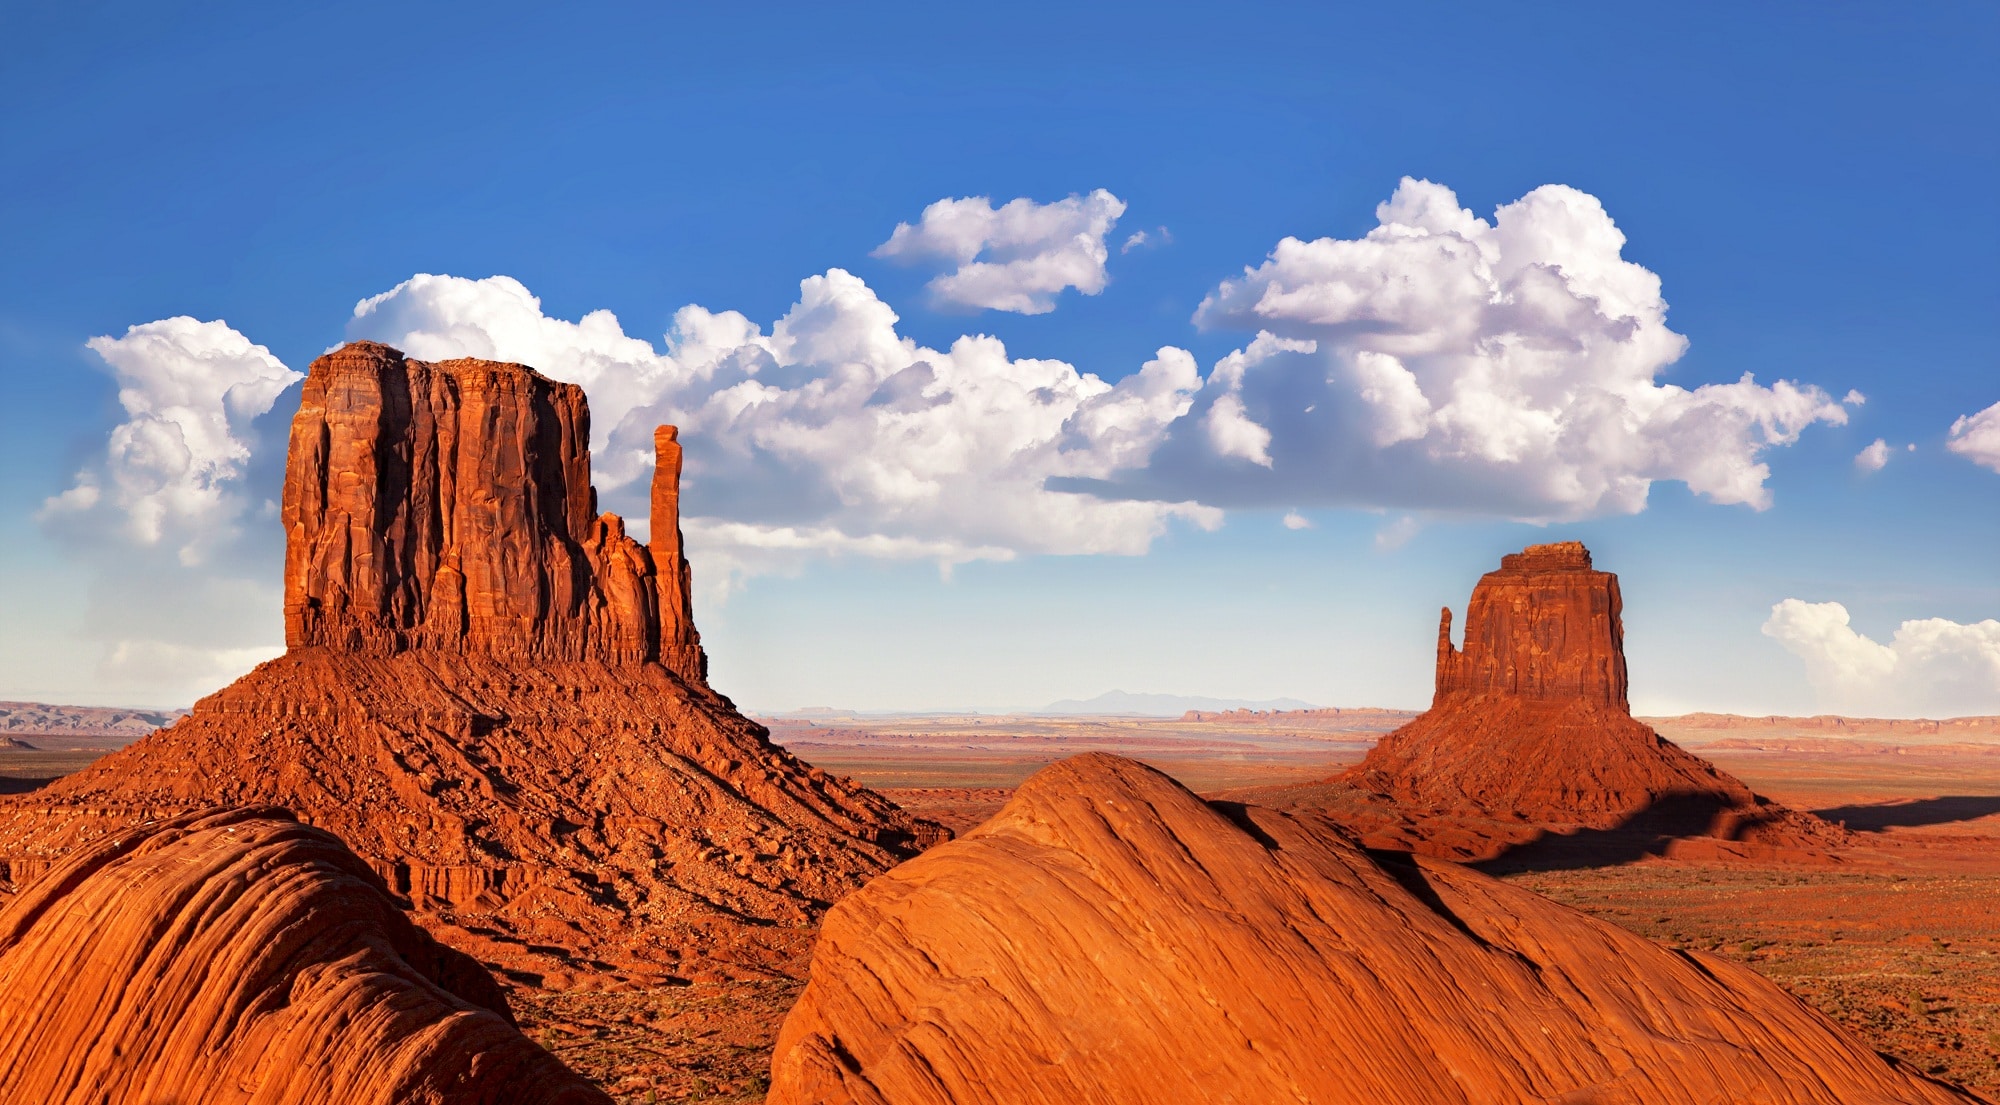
{"type": "Point", "coordinates": [498, 699]}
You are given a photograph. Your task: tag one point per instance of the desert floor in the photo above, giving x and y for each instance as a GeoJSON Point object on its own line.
{"type": "Point", "coordinates": [1899, 940]}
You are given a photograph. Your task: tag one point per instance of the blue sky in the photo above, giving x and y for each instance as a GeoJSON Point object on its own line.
{"type": "Point", "coordinates": [1811, 185]}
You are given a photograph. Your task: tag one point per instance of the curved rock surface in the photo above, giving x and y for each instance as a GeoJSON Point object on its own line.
{"type": "Point", "coordinates": [1110, 938]}
{"type": "Point", "coordinates": [1530, 734]}
{"type": "Point", "coordinates": [498, 700]}
{"type": "Point", "coordinates": [242, 957]}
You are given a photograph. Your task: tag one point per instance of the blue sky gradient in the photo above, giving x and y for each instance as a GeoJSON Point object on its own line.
{"type": "Point", "coordinates": [1813, 184]}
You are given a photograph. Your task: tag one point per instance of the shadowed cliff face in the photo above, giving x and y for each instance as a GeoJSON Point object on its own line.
{"type": "Point", "coordinates": [498, 700]}
{"type": "Point", "coordinates": [448, 506]}
{"type": "Point", "coordinates": [241, 956]}
{"type": "Point", "coordinates": [1108, 937]}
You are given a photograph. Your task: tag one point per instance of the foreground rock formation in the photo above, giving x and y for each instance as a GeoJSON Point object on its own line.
{"type": "Point", "coordinates": [1530, 741]}
{"type": "Point", "coordinates": [1108, 937]}
{"type": "Point", "coordinates": [243, 957]}
{"type": "Point", "coordinates": [498, 699]}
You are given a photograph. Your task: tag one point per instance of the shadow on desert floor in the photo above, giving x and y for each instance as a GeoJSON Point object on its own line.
{"type": "Point", "coordinates": [1647, 832]}
{"type": "Point", "coordinates": [1875, 817]}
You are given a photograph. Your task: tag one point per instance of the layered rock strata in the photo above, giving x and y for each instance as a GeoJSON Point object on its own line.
{"type": "Point", "coordinates": [242, 957]}
{"type": "Point", "coordinates": [498, 700]}
{"type": "Point", "coordinates": [1530, 741]}
{"type": "Point", "coordinates": [1108, 937]}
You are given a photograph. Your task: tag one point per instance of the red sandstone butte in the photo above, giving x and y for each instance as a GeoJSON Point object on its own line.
{"type": "Point", "coordinates": [448, 507]}
{"type": "Point", "coordinates": [1110, 938]}
{"type": "Point", "coordinates": [242, 957]}
{"type": "Point", "coordinates": [498, 700]}
{"type": "Point", "coordinates": [1530, 741]}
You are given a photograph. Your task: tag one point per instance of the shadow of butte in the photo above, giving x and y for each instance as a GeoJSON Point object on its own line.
{"type": "Point", "coordinates": [1875, 817]}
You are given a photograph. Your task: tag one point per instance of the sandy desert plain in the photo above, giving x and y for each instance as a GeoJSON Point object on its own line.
{"type": "Point", "coordinates": [1897, 940]}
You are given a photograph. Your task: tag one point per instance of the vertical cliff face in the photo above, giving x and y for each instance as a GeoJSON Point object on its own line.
{"type": "Point", "coordinates": [1546, 625]}
{"type": "Point", "coordinates": [448, 506]}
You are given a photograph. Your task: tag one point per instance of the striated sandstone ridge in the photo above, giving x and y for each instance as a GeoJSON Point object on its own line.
{"type": "Point", "coordinates": [498, 700]}
{"type": "Point", "coordinates": [242, 957]}
{"type": "Point", "coordinates": [1110, 938]}
{"type": "Point", "coordinates": [1530, 741]}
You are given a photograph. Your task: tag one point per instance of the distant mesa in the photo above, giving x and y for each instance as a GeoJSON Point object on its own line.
{"type": "Point", "coordinates": [244, 957]}
{"type": "Point", "coordinates": [1330, 717]}
{"type": "Point", "coordinates": [1530, 743]}
{"type": "Point", "coordinates": [1108, 937]}
{"type": "Point", "coordinates": [498, 699]}
{"type": "Point", "coordinates": [68, 726]}
{"type": "Point", "coordinates": [16, 744]}
{"type": "Point", "coordinates": [1161, 705]}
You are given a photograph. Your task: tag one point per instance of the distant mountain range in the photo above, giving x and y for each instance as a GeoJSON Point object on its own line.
{"type": "Point", "coordinates": [1163, 705]}
{"type": "Point", "coordinates": [45, 725]}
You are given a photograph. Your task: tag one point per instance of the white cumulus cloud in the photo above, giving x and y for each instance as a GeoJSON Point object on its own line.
{"type": "Point", "coordinates": [172, 471]}
{"type": "Point", "coordinates": [1016, 257]}
{"type": "Point", "coordinates": [1931, 666]}
{"type": "Point", "coordinates": [1873, 457]}
{"type": "Point", "coordinates": [1447, 362]}
{"type": "Point", "coordinates": [831, 433]}
{"type": "Point", "coordinates": [1976, 437]}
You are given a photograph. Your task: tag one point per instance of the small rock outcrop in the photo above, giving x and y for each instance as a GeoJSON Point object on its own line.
{"type": "Point", "coordinates": [1530, 740]}
{"type": "Point", "coordinates": [243, 957]}
{"type": "Point", "coordinates": [1108, 937]}
{"type": "Point", "coordinates": [498, 700]}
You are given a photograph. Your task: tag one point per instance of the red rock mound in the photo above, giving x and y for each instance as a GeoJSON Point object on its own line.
{"type": "Point", "coordinates": [1530, 733]}
{"type": "Point", "coordinates": [498, 699]}
{"type": "Point", "coordinates": [243, 957]}
{"type": "Point", "coordinates": [1110, 938]}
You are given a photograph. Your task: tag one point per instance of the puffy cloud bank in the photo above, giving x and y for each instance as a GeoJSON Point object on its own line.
{"type": "Point", "coordinates": [171, 472]}
{"type": "Point", "coordinates": [1015, 257]}
{"type": "Point", "coordinates": [1976, 437]}
{"type": "Point", "coordinates": [178, 600]}
{"type": "Point", "coordinates": [1449, 363]}
{"type": "Point", "coordinates": [831, 433]}
{"type": "Point", "coordinates": [1442, 363]}
{"type": "Point", "coordinates": [1931, 667]}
